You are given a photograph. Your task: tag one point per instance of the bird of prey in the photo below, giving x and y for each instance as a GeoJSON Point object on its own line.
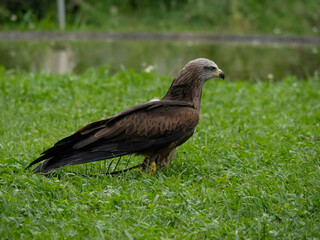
{"type": "Point", "coordinates": [153, 129]}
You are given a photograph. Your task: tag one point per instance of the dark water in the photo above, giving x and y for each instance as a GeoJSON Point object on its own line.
{"type": "Point", "coordinates": [239, 62]}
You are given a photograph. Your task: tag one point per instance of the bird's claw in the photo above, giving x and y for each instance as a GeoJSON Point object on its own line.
{"type": "Point", "coordinates": [152, 168]}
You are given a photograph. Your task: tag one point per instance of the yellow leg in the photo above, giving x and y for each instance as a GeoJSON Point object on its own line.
{"type": "Point", "coordinates": [153, 168]}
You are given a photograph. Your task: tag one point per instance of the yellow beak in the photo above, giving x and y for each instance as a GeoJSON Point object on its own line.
{"type": "Point", "coordinates": [220, 74]}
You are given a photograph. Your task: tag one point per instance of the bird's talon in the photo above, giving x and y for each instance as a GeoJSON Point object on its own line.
{"type": "Point", "coordinates": [153, 168]}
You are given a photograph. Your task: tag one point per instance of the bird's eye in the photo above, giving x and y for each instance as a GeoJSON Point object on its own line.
{"type": "Point", "coordinates": [211, 68]}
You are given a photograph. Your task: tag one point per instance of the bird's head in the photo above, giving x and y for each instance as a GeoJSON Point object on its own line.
{"type": "Point", "coordinates": [198, 71]}
{"type": "Point", "coordinates": [207, 68]}
{"type": "Point", "coordinates": [187, 86]}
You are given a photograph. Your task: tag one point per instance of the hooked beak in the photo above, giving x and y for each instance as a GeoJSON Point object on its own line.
{"type": "Point", "coordinates": [220, 74]}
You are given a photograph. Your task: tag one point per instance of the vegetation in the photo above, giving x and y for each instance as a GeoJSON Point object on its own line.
{"type": "Point", "coordinates": [250, 171]}
{"type": "Point", "coordinates": [229, 16]}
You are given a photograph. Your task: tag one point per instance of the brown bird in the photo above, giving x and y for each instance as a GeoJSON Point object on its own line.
{"type": "Point", "coordinates": [153, 129]}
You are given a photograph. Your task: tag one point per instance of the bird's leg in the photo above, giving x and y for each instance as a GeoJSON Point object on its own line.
{"type": "Point", "coordinates": [152, 168]}
{"type": "Point", "coordinates": [149, 164]}
{"type": "Point", "coordinates": [171, 156]}
{"type": "Point", "coordinates": [145, 164]}
{"type": "Point", "coordinates": [166, 159]}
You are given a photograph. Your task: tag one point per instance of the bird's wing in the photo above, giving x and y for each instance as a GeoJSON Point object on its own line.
{"type": "Point", "coordinates": [143, 128]}
{"type": "Point", "coordinates": [140, 107]}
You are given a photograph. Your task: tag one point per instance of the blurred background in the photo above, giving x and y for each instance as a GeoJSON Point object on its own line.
{"type": "Point", "coordinates": [250, 40]}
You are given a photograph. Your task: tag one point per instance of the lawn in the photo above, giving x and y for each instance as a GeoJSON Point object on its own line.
{"type": "Point", "coordinates": [251, 170]}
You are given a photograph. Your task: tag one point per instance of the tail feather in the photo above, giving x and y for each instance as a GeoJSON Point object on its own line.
{"type": "Point", "coordinates": [58, 150]}
{"type": "Point", "coordinates": [54, 163]}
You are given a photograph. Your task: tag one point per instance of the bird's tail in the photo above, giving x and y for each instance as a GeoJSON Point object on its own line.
{"type": "Point", "coordinates": [53, 163]}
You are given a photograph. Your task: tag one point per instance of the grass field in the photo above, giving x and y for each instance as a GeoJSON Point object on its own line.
{"type": "Point", "coordinates": [252, 169]}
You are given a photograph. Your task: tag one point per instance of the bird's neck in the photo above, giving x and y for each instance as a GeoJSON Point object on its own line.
{"type": "Point", "coordinates": [186, 90]}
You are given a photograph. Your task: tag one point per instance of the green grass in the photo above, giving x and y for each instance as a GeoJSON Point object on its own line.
{"type": "Point", "coordinates": [251, 170]}
{"type": "Point", "coordinates": [228, 17]}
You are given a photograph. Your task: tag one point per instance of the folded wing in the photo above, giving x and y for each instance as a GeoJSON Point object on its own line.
{"type": "Point", "coordinates": [144, 128]}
